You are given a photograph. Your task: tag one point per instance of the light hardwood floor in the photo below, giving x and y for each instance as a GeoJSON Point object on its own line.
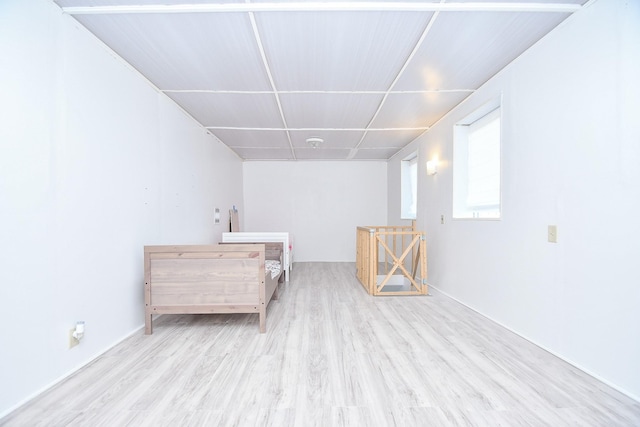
{"type": "Point", "coordinates": [332, 356]}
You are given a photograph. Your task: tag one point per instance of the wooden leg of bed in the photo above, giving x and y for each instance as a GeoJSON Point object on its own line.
{"type": "Point", "coordinates": [263, 318]}
{"type": "Point", "coordinates": [148, 326]}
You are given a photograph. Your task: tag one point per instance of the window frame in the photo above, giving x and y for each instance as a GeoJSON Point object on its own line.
{"type": "Point", "coordinates": [462, 209]}
{"type": "Point", "coordinates": [409, 187]}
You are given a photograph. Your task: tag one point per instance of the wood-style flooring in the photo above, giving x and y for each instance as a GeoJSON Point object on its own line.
{"type": "Point", "coordinates": [332, 356]}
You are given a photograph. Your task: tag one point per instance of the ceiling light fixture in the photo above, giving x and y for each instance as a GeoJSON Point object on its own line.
{"type": "Point", "coordinates": [314, 141]}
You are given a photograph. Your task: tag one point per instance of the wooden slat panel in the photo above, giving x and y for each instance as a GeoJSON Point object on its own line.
{"type": "Point", "coordinates": [204, 293]}
{"type": "Point", "coordinates": [205, 281]}
{"type": "Point", "coordinates": [199, 269]}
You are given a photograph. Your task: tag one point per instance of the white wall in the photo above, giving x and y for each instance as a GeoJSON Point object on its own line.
{"type": "Point", "coordinates": [571, 150]}
{"type": "Point", "coordinates": [320, 203]}
{"type": "Point", "coordinates": [94, 164]}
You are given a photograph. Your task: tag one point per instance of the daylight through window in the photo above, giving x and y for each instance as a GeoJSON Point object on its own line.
{"type": "Point", "coordinates": [477, 166]}
{"type": "Point", "coordinates": [409, 187]}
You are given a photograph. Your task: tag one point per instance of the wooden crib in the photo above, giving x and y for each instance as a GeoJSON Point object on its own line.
{"type": "Point", "coordinates": [391, 260]}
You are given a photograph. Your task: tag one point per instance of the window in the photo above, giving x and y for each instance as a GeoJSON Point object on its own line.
{"type": "Point", "coordinates": [476, 169]}
{"type": "Point", "coordinates": [409, 187]}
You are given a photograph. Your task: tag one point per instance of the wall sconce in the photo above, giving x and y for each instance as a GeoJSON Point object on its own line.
{"type": "Point", "coordinates": [432, 167]}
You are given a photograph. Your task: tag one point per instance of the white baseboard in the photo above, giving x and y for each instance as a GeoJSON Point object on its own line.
{"type": "Point", "coordinates": [66, 375]}
{"type": "Point", "coordinates": [558, 355]}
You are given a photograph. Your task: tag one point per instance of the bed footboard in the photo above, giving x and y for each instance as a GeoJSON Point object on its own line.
{"type": "Point", "coordinates": [203, 279]}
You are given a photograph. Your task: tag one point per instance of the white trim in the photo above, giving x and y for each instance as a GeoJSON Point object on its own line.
{"type": "Point", "coordinates": [319, 92]}
{"type": "Point", "coordinates": [349, 6]}
{"type": "Point", "coordinates": [315, 129]}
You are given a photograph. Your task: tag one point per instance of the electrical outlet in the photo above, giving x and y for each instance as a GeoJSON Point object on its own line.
{"type": "Point", "coordinates": [72, 341]}
{"type": "Point", "coordinates": [441, 219]}
{"type": "Point", "coordinates": [552, 234]}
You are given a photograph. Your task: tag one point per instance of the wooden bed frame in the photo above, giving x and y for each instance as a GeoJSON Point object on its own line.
{"type": "Point", "coordinates": [203, 279]}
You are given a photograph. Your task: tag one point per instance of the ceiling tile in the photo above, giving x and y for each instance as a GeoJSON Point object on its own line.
{"type": "Point", "coordinates": [332, 139]}
{"type": "Point", "coordinates": [321, 154]}
{"type": "Point", "coordinates": [329, 110]}
{"type": "Point", "coordinates": [390, 138]}
{"type": "Point", "coordinates": [375, 154]}
{"type": "Point", "coordinates": [415, 110]}
{"type": "Point", "coordinates": [264, 153]}
{"type": "Point", "coordinates": [231, 109]}
{"type": "Point", "coordinates": [338, 51]}
{"type": "Point", "coordinates": [252, 138]}
{"type": "Point", "coordinates": [482, 44]}
{"type": "Point", "coordinates": [208, 51]}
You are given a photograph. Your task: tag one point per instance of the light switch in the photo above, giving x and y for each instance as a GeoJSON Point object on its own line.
{"type": "Point", "coordinates": [552, 234]}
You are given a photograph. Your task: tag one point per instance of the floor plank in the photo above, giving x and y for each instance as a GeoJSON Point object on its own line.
{"type": "Point", "coordinates": [332, 356]}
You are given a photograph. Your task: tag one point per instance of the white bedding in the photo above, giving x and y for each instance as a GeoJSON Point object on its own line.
{"type": "Point", "coordinates": [273, 266]}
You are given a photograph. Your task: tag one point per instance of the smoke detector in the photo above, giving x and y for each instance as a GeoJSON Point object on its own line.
{"type": "Point", "coordinates": [314, 142]}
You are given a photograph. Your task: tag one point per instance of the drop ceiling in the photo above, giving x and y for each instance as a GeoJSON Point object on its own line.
{"type": "Point", "coordinates": [367, 77]}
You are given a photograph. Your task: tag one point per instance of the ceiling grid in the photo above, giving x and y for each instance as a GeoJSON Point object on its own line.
{"type": "Point", "coordinates": [354, 151]}
{"type": "Point", "coordinates": [273, 85]}
{"type": "Point", "coordinates": [367, 77]}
